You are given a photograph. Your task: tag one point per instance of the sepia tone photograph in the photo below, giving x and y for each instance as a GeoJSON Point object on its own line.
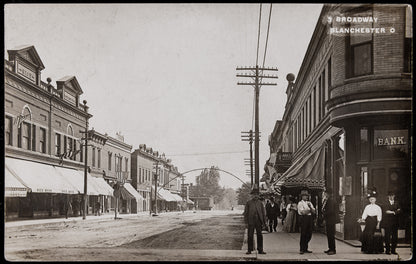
{"type": "Point", "coordinates": [208, 132]}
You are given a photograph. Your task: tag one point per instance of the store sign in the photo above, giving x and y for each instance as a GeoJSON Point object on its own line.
{"type": "Point", "coordinates": [26, 72]}
{"type": "Point", "coordinates": [391, 141]}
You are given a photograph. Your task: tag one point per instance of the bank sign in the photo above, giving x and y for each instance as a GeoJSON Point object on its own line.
{"type": "Point", "coordinates": [390, 141]}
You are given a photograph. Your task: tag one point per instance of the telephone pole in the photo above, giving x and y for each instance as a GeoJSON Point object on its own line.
{"type": "Point", "coordinates": [248, 136]}
{"type": "Point", "coordinates": [156, 168]}
{"type": "Point", "coordinates": [257, 75]}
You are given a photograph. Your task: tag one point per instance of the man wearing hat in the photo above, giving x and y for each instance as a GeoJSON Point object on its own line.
{"type": "Point", "coordinates": [329, 211]}
{"type": "Point", "coordinates": [255, 218]}
{"type": "Point", "coordinates": [305, 210]}
{"type": "Point", "coordinates": [389, 223]}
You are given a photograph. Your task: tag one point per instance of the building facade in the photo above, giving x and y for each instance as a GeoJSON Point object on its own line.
{"type": "Point", "coordinates": [144, 161]}
{"type": "Point", "coordinates": [42, 133]}
{"type": "Point", "coordinates": [347, 120]}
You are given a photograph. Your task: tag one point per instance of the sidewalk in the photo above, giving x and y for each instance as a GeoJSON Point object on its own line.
{"type": "Point", "coordinates": [107, 216]}
{"type": "Point", "coordinates": [285, 246]}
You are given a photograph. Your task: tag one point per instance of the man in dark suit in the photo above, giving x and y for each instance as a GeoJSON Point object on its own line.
{"type": "Point", "coordinates": [255, 219]}
{"type": "Point", "coordinates": [389, 222]}
{"type": "Point", "coordinates": [330, 211]}
{"type": "Point", "coordinates": [272, 212]}
{"type": "Point", "coordinates": [305, 211]}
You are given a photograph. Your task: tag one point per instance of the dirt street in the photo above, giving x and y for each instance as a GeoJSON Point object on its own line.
{"type": "Point", "coordinates": [106, 239]}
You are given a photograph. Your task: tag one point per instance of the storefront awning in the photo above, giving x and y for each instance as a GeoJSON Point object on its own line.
{"type": "Point", "coordinates": [12, 186]}
{"type": "Point", "coordinates": [132, 191]}
{"type": "Point", "coordinates": [189, 201]}
{"type": "Point", "coordinates": [40, 178]}
{"type": "Point", "coordinates": [177, 197]}
{"type": "Point", "coordinates": [76, 178]}
{"type": "Point", "coordinates": [102, 187]}
{"type": "Point", "coordinates": [307, 173]}
{"type": "Point", "coordinates": [164, 194]}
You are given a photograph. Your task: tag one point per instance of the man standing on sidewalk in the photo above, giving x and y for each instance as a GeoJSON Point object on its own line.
{"type": "Point", "coordinates": [305, 210]}
{"type": "Point", "coordinates": [330, 211]}
{"type": "Point", "coordinates": [390, 223]}
{"type": "Point", "coordinates": [255, 218]}
{"type": "Point", "coordinates": [272, 211]}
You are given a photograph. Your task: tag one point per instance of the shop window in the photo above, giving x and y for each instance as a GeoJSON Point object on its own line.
{"type": "Point", "coordinates": [364, 144]}
{"type": "Point", "coordinates": [42, 140]}
{"type": "Point", "coordinates": [339, 155]}
{"type": "Point", "coordinates": [8, 131]}
{"type": "Point", "coordinates": [391, 144]}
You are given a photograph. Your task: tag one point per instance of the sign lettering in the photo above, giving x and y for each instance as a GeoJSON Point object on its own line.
{"type": "Point", "coordinates": [391, 141]}
{"type": "Point", "coordinates": [27, 73]}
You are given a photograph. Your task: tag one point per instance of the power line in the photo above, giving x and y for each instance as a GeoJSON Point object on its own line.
{"type": "Point", "coordinates": [267, 37]}
{"type": "Point", "coordinates": [258, 37]}
{"type": "Point", "coordinates": [207, 153]}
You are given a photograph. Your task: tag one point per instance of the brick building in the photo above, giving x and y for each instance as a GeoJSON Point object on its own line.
{"type": "Point", "coordinates": [347, 119]}
{"type": "Point", "coordinates": [42, 133]}
{"type": "Point", "coordinates": [143, 168]}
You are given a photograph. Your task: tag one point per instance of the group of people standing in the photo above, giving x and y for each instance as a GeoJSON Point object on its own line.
{"type": "Point", "coordinates": [256, 215]}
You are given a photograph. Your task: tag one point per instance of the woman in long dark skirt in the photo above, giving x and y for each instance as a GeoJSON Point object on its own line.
{"type": "Point", "coordinates": [370, 243]}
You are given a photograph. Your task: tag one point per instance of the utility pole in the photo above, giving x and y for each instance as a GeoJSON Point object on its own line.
{"type": "Point", "coordinates": [257, 75]}
{"type": "Point", "coordinates": [248, 136]}
{"type": "Point", "coordinates": [183, 194]}
{"type": "Point", "coordinates": [86, 134]}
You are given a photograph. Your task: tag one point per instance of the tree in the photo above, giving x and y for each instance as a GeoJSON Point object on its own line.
{"type": "Point", "coordinates": [207, 185]}
{"type": "Point", "coordinates": [228, 201]}
{"type": "Point", "coordinates": [243, 193]}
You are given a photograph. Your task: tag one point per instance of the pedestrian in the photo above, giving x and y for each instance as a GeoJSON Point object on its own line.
{"type": "Point", "coordinates": [371, 243]}
{"type": "Point", "coordinates": [290, 225]}
{"type": "Point", "coordinates": [68, 209]}
{"type": "Point", "coordinates": [97, 208]}
{"type": "Point", "coordinates": [390, 222]}
{"type": "Point", "coordinates": [330, 215]}
{"type": "Point", "coordinates": [272, 211]}
{"type": "Point", "coordinates": [305, 211]}
{"type": "Point", "coordinates": [255, 219]}
{"type": "Point", "coordinates": [283, 211]}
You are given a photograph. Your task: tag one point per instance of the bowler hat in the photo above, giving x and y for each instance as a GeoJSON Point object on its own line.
{"type": "Point", "coordinates": [304, 192]}
{"type": "Point", "coordinates": [391, 192]}
{"type": "Point", "coordinates": [254, 191]}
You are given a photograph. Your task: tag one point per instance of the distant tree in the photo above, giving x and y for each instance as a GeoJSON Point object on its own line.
{"type": "Point", "coordinates": [207, 185]}
{"type": "Point", "coordinates": [229, 199]}
{"type": "Point", "coordinates": [243, 193]}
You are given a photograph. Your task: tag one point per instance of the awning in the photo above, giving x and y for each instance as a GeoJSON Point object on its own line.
{"type": "Point", "coordinates": [40, 178]}
{"type": "Point", "coordinates": [132, 191]}
{"type": "Point", "coordinates": [189, 201]}
{"type": "Point", "coordinates": [177, 197]}
{"type": "Point", "coordinates": [76, 178]}
{"type": "Point", "coordinates": [126, 195]}
{"type": "Point", "coordinates": [307, 173]}
{"type": "Point", "coordinates": [102, 186]}
{"type": "Point", "coordinates": [164, 194]}
{"type": "Point", "coordinates": [12, 186]}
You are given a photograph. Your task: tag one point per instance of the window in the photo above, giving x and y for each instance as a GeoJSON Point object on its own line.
{"type": "Point", "coordinates": [314, 106]}
{"type": "Point", "coordinates": [33, 138]}
{"type": "Point", "coordinates": [8, 126]}
{"type": "Point", "coordinates": [324, 92]}
{"type": "Point", "coordinates": [57, 144]}
{"type": "Point", "coordinates": [364, 146]}
{"type": "Point", "coordinates": [317, 102]}
{"type": "Point", "coordinates": [127, 164]}
{"type": "Point", "coordinates": [359, 50]}
{"type": "Point", "coordinates": [140, 175]}
{"type": "Point", "coordinates": [109, 160]}
{"type": "Point", "coordinates": [81, 156]}
{"type": "Point", "coordinates": [42, 140]}
{"type": "Point", "coordinates": [99, 158]}
{"type": "Point", "coordinates": [74, 149]}
{"type": "Point", "coordinates": [93, 157]}
{"type": "Point", "coordinates": [25, 127]}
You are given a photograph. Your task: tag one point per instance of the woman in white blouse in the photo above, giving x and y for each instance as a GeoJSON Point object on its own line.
{"type": "Point", "coordinates": [372, 218]}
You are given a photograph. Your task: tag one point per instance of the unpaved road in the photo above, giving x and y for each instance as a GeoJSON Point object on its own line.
{"type": "Point", "coordinates": [126, 239]}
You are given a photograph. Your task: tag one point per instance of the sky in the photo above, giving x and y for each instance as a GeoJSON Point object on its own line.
{"type": "Point", "coordinates": [164, 75]}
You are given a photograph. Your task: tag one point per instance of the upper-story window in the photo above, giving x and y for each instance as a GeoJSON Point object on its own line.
{"type": "Point", "coordinates": [99, 158]}
{"type": "Point", "coordinates": [359, 49]}
{"type": "Point", "coordinates": [42, 140]}
{"type": "Point", "coordinates": [93, 157]}
{"type": "Point", "coordinates": [110, 155]}
{"type": "Point", "coordinates": [57, 144]}
{"type": "Point", "coordinates": [8, 131]}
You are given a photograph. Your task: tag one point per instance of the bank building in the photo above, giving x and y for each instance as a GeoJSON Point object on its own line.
{"type": "Point", "coordinates": [347, 118]}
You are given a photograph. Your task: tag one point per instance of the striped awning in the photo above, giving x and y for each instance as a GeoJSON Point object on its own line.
{"type": "Point", "coordinates": [308, 173]}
